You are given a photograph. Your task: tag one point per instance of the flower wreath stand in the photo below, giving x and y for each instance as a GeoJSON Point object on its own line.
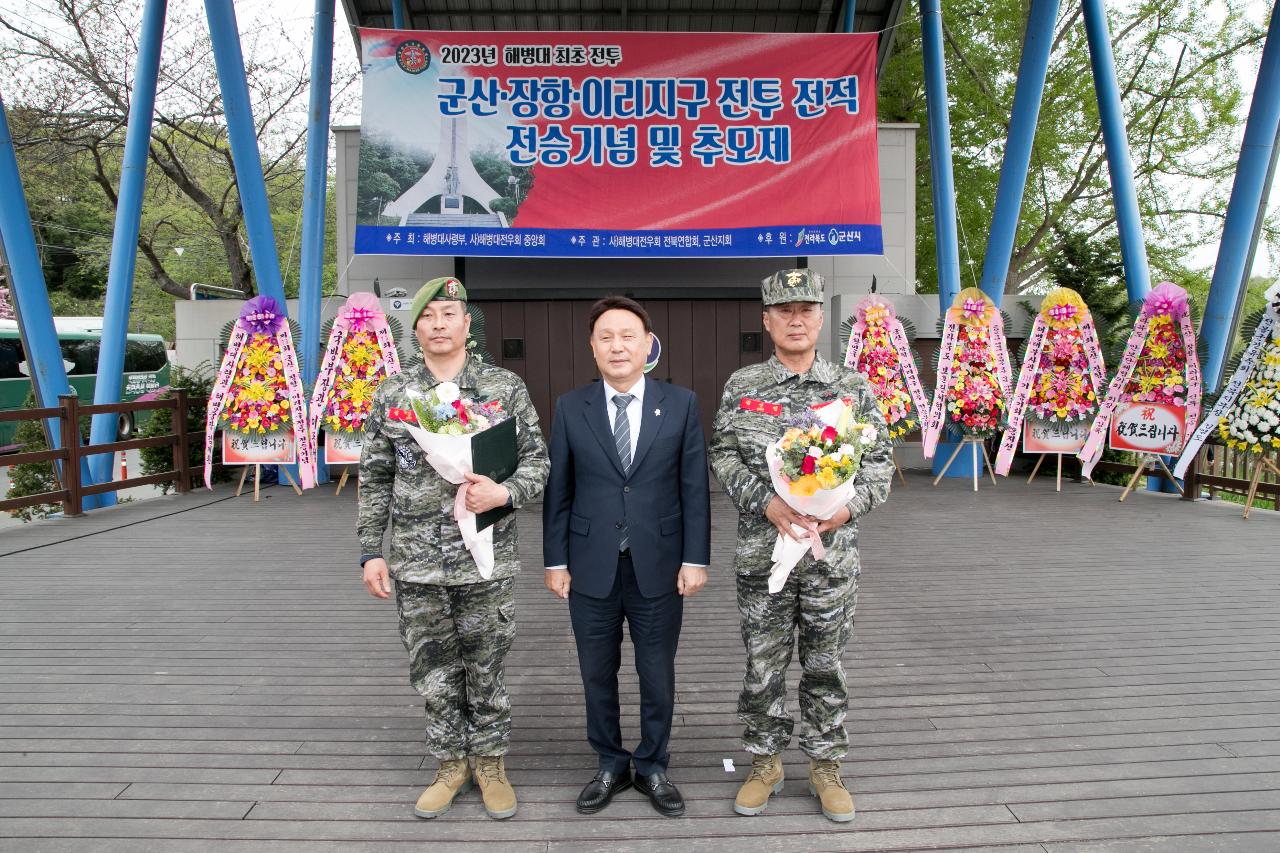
{"type": "Point", "coordinates": [1150, 464]}
{"type": "Point", "coordinates": [976, 446]}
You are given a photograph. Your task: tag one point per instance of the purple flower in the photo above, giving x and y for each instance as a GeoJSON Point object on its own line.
{"type": "Point", "coordinates": [261, 315]}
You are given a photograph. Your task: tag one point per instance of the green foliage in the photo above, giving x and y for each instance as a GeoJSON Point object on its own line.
{"type": "Point", "coordinates": [198, 383]}
{"type": "Point", "coordinates": [1092, 268]}
{"type": "Point", "coordinates": [1183, 106]}
{"type": "Point", "coordinates": [384, 173]}
{"type": "Point", "coordinates": [497, 173]}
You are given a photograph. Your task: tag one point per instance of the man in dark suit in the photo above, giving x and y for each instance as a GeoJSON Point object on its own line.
{"type": "Point", "coordinates": [627, 534]}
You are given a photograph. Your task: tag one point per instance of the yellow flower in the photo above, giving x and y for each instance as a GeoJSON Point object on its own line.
{"type": "Point", "coordinates": [827, 479]}
{"type": "Point", "coordinates": [257, 358]}
{"type": "Point", "coordinates": [805, 485]}
{"type": "Point", "coordinates": [360, 391]}
{"type": "Point", "coordinates": [258, 392]}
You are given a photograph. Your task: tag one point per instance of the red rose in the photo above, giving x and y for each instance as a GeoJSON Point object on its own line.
{"type": "Point", "coordinates": [830, 435]}
{"type": "Point", "coordinates": [462, 411]}
{"type": "Point", "coordinates": [808, 465]}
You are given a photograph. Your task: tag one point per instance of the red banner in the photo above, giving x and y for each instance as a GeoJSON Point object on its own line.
{"type": "Point", "coordinates": [618, 144]}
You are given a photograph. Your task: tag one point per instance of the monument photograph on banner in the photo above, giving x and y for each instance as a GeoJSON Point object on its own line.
{"type": "Point", "coordinates": [618, 144]}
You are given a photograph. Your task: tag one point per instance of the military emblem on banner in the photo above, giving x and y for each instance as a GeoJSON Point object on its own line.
{"type": "Point", "coordinates": [413, 56]}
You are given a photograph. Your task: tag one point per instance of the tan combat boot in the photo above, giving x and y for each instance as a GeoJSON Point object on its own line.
{"type": "Point", "coordinates": [453, 778]}
{"type": "Point", "coordinates": [491, 776]}
{"type": "Point", "coordinates": [825, 784]}
{"type": "Point", "coordinates": [765, 779]}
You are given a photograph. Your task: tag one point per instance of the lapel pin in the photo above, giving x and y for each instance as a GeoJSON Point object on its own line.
{"type": "Point", "coordinates": [657, 413]}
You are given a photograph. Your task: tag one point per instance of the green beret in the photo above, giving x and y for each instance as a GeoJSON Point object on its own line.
{"type": "Point", "coordinates": [791, 286]}
{"type": "Point", "coordinates": [443, 289]}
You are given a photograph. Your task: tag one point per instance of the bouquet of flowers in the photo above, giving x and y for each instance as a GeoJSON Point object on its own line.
{"type": "Point", "coordinates": [812, 468]}
{"type": "Point", "coordinates": [443, 423]}
{"type": "Point", "coordinates": [973, 371]}
{"type": "Point", "coordinates": [1159, 366]}
{"type": "Point", "coordinates": [259, 386]}
{"type": "Point", "coordinates": [879, 348]}
{"type": "Point", "coordinates": [1062, 371]}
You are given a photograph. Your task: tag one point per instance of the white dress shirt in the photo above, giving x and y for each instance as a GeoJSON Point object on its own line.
{"type": "Point", "coordinates": [635, 411]}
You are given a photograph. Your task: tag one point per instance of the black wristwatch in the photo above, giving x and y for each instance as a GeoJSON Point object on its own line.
{"type": "Point", "coordinates": [364, 558]}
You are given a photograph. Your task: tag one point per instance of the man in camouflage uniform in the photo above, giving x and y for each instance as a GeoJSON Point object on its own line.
{"type": "Point", "coordinates": [818, 599]}
{"type": "Point", "coordinates": [456, 626]}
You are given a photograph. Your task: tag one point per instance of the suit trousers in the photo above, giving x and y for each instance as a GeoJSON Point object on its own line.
{"type": "Point", "coordinates": [654, 625]}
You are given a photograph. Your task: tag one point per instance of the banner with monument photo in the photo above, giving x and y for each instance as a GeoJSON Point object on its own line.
{"type": "Point", "coordinates": [618, 144]}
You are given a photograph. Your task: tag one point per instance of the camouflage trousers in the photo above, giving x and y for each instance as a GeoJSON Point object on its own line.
{"type": "Point", "coordinates": [458, 638]}
{"type": "Point", "coordinates": [819, 609]}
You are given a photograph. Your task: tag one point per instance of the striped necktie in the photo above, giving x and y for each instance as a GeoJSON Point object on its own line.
{"type": "Point", "coordinates": [622, 442]}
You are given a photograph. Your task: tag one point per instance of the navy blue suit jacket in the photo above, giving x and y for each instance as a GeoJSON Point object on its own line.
{"type": "Point", "coordinates": [663, 501]}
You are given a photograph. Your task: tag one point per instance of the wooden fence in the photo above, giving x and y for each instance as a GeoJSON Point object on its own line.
{"type": "Point", "coordinates": [71, 451]}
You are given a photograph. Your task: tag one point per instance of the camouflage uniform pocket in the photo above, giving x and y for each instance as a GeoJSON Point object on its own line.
{"type": "Point", "coordinates": [850, 605]}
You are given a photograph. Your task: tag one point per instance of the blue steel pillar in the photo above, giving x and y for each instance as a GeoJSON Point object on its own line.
{"type": "Point", "coordinates": [313, 197]}
{"type": "Point", "coordinates": [30, 295]}
{"type": "Point", "coordinates": [943, 180]}
{"type": "Point", "coordinates": [1133, 249]}
{"type": "Point", "coordinates": [944, 195]}
{"type": "Point", "coordinates": [847, 15]}
{"type": "Point", "coordinates": [397, 14]}
{"type": "Point", "coordinates": [1036, 46]}
{"type": "Point", "coordinates": [225, 36]}
{"type": "Point", "coordinates": [124, 243]}
{"type": "Point", "coordinates": [1244, 211]}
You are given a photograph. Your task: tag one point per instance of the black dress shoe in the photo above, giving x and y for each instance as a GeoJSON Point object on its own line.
{"type": "Point", "coordinates": [664, 795]}
{"type": "Point", "coordinates": [600, 790]}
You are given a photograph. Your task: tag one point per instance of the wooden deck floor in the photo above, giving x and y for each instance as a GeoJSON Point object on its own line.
{"type": "Point", "coordinates": [1031, 672]}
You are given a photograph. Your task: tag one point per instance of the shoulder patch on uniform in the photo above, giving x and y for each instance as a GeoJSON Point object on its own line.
{"type": "Point", "coordinates": [405, 458]}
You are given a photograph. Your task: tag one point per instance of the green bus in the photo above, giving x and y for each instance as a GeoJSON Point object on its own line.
{"type": "Point", "coordinates": [146, 367]}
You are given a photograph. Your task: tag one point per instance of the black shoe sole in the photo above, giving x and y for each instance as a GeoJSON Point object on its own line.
{"type": "Point", "coordinates": [605, 804]}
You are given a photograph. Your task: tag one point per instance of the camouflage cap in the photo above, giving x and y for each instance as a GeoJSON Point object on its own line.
{"type": "Point", "coordinates": [791, 286]}
{"type": "Point", "coordinates": [438, 289]}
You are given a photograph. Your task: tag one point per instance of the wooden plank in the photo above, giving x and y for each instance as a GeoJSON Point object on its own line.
{"type": "Point", "coordinates": [996, 701]}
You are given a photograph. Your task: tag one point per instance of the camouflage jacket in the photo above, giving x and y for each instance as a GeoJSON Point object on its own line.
{"type": "Point", "coordinates": [742, 432]}
{"type": "Point", "coordinates": [397, 484]}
